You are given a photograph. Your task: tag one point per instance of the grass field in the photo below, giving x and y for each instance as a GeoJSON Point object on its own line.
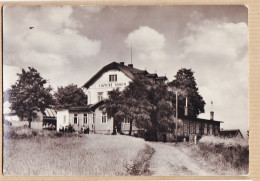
{"type": "Point", "coordinates": [42, 152]}
{"type": "Point", "coordinates": [223, 156]}
{"type": "Point", "coordinates": [30, 152]}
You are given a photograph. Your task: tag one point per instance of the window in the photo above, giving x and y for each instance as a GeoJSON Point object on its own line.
{"type": "Point", "coordinates": [64, 119]}
{"type": "Point", "coordinates": [93, 118]}
{"type": "Point", "coordinates": [75, 118]}
{"type": "Point", "coordinates": [216, 129]}
{"type": "Point", "coordinates": [112, 78]}
{"type": "Point", "coordinates": [210, 129]}
{"type": "Point", "coordinates": [185, 127]}
{"type": "Point", "coordinates": [85, 119]}
{"type": "Point", "coordinates": [100, 96]}
{"type": "Point", "coordinates": [191, 128]}
{"type": "Point", "coordinates": [205, 128]}
{"type": "Point", "coordinates": [127, 120]}
{"type": "Point", "coordinates": [104, 117]}
{"type": "Point", "coordinates": [198, 128]}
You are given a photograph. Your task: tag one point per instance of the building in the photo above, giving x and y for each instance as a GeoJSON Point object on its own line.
{"type": "Point", "coordinates": [118, 75]}
{"type": "Point", "coordinates": [188, 128]}
{"type": "Point", "coordinates": [48, 118]}
{"type": "Point", "coordinates": [232, 133]}
{"type": "Point", "coordinates": [113, 75]}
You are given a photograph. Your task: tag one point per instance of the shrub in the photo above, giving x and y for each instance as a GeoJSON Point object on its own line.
{"type": "Point", "coordinates": [19, 132]}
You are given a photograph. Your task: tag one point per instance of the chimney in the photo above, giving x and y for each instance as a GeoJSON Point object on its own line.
{"type": "Point", "coordinates": [211, 112]}
{"type": "Point", "coordinates": [186, 108]}
{"type": "Point", "coordinates": [211, 115]}
{"type": "Point", "coordinates": [130, 65]}
{"type": "Point", "coordinates": [122, 63]}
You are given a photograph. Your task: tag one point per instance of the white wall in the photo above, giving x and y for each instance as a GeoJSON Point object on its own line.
{"type": "Point", "coordinates": [60, 119]}
{"type": "Point", "coordinates": [103, 85]}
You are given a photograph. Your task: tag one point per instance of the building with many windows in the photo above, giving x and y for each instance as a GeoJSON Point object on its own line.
{"type": "Point", "coordinates": [112, 76]}
{"type": "Point", "coordinates": [118, 75]}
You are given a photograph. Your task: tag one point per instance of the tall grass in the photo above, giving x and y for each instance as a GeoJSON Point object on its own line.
{"type": "Point", "coordinates": [222, 156]}
{"type": "Point", "coordinates": [54, 154]}
{"type": "Point", "coordinates": [230, 154]}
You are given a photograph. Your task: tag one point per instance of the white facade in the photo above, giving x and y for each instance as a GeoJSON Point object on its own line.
{"type": "Point", "coordinates": [110, 77]}
{"type": "Point", "coordinates": [107, 82]}
{"type": "Point", "coordinates": [62, 119]}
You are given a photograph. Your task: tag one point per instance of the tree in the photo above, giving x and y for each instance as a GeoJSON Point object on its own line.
{"type": "Point", "coordinates": [145, 101]}
{"type": "Point", "coordinates": [112, 107]}
{"type": "Point", "coordinates": [30, 95]}
{"type": "Point", "coordinates": [163, 107]}
{"type": "Point", "coordinates": [70, 95]}
{"type": "Point", "coordinates": [186, 86]}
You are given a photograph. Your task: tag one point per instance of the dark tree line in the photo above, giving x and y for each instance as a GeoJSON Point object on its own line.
{"type": "Point", "coordinates": [151, 104]}
{"type": "Point", "coordinates": [31, 95]}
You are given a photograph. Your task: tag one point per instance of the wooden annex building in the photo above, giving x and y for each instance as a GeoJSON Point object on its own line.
{"type": "Point", "coordinates": [188, 128]}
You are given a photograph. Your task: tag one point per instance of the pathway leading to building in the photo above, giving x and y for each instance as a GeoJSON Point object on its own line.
{"type": "Point", "coordinates": [170, 160]}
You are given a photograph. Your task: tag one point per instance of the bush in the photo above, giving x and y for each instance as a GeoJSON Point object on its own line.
{"type": "Point", "coordinates": [19, 132]}
{"type": "Point", "coordinates": [67, 129]}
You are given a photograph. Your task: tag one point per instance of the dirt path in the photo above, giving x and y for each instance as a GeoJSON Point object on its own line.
{"type": "Point", "coordinates": [169, 160]}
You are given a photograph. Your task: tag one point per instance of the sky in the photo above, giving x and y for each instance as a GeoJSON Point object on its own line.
{"type": "Point", "coordinates": [69, 44]}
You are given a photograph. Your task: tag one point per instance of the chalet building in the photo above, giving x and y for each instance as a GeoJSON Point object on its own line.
{"type": "Point", "coordinates": [112, 76]}
{"type": "Point", "coordinates": [118, 75]}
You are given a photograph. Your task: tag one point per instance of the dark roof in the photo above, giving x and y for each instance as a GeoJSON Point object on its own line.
{"type": "Point", "coordinates": [199, 119]}
{"type": "Point", "coordinates": [209, 120]}
{"type": "Point", "coordinates": [152, 75]}
{"type": "Point", "coordinates": [129, 71]}
{"type": "Point", "coordinates": [98, 104]}
{"type": "Point", "coordinates": [161, 78]}
{"type": "Point", "coordinates": [79, 108]}
{"type": "Point", "coordinates": [230, 133]}
{"type": "Point", "coordinates": [87, 108]}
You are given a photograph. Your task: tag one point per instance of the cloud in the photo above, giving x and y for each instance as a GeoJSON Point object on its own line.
{"type": "Point", "coordinates": [10, 76]}
{"type": "Point", "coordinates": [45, 37]}
{"type": "Point", "coordinates": [147, 43]}
{"type": "Point", "coordinates": [209, 37]}
{"type": "Point", "coordinates": [217, 51]}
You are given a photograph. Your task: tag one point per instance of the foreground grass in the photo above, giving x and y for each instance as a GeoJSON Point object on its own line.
{"type": "Point", "coordinates": [140, 165]}
{"type": "Point", "coordinates": [41, 154]}
{"type": "Point", "coordinates": [221, 156]}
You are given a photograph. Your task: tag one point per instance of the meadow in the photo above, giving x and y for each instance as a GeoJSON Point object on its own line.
{"type": "Point", "coordinates": [224, 156]}
{"type": "Point", "coordinates": [41, 152]}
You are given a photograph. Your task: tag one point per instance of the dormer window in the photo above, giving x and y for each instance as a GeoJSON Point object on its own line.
{"type": "Point", "coordinates": [113, 78]}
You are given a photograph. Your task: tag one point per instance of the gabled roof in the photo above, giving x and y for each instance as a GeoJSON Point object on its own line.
{"type": "Point", "coordinates": [128, 70]}
{"type": "Point", "coordinates": [230, 133]}
{"type": "Point", "coordinates": [97, 105]}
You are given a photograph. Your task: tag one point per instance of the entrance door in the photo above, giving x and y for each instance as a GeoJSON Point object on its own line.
{"type": "Point", "coordinates": [117, 125]}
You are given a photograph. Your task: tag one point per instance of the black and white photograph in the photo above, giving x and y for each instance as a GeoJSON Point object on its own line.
{"type": "Point", "coordinates": [135, 90]}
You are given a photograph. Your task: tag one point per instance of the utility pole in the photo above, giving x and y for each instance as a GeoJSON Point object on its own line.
{"type": "Point", "coordinates": [176, 115]}
{"type": "Point", "coordinates": [131, 53]}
